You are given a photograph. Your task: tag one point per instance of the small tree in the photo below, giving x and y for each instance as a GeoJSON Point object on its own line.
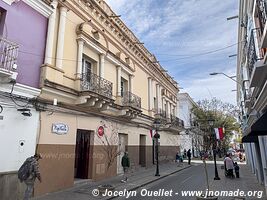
{"type": "Point", "coordinates": [224, 114]}
{"type": "Point", "coordinates": [109, 142]}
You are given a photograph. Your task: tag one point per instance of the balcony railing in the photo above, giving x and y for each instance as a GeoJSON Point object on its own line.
{"type": "Point", "coordinates": [132, 100]}
{"type": "Point", "coordinates": [94, 83]}
{"type": "Point", "coordinates": [252, 54]}
{"type": "Point", "coordinates": [262, 12]}
{"type": "Point", "coordinates": [175, 121]}
{"type": "Point", "coordinates": [162, 113]}
{"type": "Point", "coordinates": [8, 54]}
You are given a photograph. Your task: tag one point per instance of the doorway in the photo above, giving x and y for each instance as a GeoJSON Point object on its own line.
{"type": "Point", "coordinates": [142, 151]}
{"type": "Point", "coordinates": [123, 142]}
{"type": "Point", "coordinates": [82, 153]}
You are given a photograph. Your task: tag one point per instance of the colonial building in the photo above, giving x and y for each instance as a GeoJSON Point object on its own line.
{"type": "Point", "coordinates": [100, 88]}
{"type": "Point", "coordinates": [252, 83]}
{"type": "Point", "coordinates": [191, 137]}
{"type": "Point", "coordinates": [23, 27]}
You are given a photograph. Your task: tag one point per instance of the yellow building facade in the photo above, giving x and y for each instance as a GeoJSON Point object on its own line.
{"type": "Point", "coordinates": [100, 88]}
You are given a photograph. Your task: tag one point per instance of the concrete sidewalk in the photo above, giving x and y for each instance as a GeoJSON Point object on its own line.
{"type": "Point", "coordinates": [140, 178]}
{"type": "Point", "coordinates": [247, 183]}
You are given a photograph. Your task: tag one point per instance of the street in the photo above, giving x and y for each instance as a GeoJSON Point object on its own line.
{"type": "Point", "coordinates": [193, 179]}
{"type": "Point", "coordinates": [189, 179]}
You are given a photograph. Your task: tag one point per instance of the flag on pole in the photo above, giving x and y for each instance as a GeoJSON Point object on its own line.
{"type": "Point", "coordinates": [221, 132]}
{"type": "Point", "coordinates": [152, 133]}
{"type": "Point", "coordinates": [216, 130]}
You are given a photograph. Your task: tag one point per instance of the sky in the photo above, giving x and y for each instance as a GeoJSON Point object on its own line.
{"type": "Point", "coordinates": [190, 38]}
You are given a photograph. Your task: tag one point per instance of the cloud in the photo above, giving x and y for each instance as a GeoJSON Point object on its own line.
{"type": "Point", "coordinates": [177, 31]}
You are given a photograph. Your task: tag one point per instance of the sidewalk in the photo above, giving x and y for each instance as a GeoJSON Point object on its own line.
{"type": "Point", "coordinates": [137, 179]}
{"type": "Point", "coordinates": [246, 182]}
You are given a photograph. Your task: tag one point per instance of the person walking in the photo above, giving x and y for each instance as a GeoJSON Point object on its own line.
{"type": "Point", "coordinates": [125, 162]}
{"type": "Point", "coordinates": [28, 172]}
{"type": "Point", "coordinates": [229, 166]}
{"type": "Point", "coordinates": [177, 158]}
{"type": "Point", "coordinates": [189, 156]}
{"type": "Point", "coordinates": [236, 170]}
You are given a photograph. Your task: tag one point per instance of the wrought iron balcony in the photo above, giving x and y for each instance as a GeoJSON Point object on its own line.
{"type": "Point", "coordinates": [262, 12]}
{"type": "Point", "coordinates": [252, 55]}
{"type": "Point", "coordinates": [162, 113]}
{"type": "Point", "coordinates": [94, 83]}
{"type": "Point", "coordinates": [175, 121]}
{"type": "Point", "coordinates": [132, 100]}
{"type": "Point", "coordinates": [8, 55]}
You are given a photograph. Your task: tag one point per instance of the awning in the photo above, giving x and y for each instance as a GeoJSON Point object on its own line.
{"type": "Point", "coordinates": [260, 126]}
{"type": "Point", "coordinates": [250, 139]}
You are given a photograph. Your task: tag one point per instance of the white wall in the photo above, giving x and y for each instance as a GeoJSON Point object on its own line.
{"type": "Point", "coordinates": [15, 128]}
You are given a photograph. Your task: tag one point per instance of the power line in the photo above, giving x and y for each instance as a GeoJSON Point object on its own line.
{"type": "Point", "coordinates": [197, 55]}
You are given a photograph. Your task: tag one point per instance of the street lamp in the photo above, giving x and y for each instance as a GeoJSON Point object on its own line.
{"type": "Point", "coordinates": [231, 77]}
{"type": "Point", "coordinates": [211, 123]}
{"type": "Point", "coordinates": [156, 124]}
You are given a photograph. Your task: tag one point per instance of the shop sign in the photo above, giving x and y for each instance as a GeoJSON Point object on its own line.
{"type": "Point", "coordinates": [60, 128]}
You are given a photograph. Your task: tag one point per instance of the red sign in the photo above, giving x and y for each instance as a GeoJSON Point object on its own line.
{"type": "Point", "coordinates": [100, 131]}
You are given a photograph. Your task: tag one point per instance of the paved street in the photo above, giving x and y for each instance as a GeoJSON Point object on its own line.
{"type": "Point", "coordinates": [173, 178]}
{"type": "Point", "coordinates": [193, 179]}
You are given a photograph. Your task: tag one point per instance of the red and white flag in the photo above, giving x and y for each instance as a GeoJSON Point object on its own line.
{"type": "Point", "coordinates": [219, 133]}
{"type": "Point", "coordinates": [152, 133]}
{"type": "Point", "coordinates": [216, 130]}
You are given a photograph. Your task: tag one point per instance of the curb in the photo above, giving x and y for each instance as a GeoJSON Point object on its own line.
{"type": "Point", "coordinates": [147, 183]}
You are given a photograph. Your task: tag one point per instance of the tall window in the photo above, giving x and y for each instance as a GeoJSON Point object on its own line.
{"type": "Point", "coordinates": [2, 21]}
{"type": "Point", "coordinates": [124, 86]}
{"type": "Point", "coordinates": [87, 69]}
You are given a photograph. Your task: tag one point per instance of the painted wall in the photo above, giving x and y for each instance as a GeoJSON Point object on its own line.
{"type": "Point", "coordinates": [16, 128]}
{"type": "Point", "coordinates": [27, 28]}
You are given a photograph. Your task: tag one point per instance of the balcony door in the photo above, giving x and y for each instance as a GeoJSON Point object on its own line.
{"type": "Point", "coordinates": [87, 69]}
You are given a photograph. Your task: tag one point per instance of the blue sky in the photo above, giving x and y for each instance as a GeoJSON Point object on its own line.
{"type": "Point", "coordinates": [177, 32]}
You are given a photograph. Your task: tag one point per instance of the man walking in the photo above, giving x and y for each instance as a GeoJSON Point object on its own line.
{"type": "Point", "coordinates": [189, 156]}
{"type": "Point", "coordinates": [125, 162]}
{"type": "Point", "coordinates": [28, 172]}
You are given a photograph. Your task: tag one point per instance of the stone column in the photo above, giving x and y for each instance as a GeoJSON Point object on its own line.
{"type": "Point", "coordinates": [50, 34]}
{"type": "Point", "coordinates": [61, 36]}
{"type": "Point", "coordinates": [131, 83]}
{"type": "Point", "coordinates": [101, 65]}
{"type": "Point", "coordinates": [149, 94]}
{"type": "Point", "coordinates": [157, 97]}
{"type": "Point", "coordinates": [168, 109]}
{"type": "Point", "coordinates": [79, 70]}
{"type": "Point", "coordinates": [118, 82]}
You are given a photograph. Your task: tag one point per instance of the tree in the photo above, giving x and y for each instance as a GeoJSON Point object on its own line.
{"type": "Point", "coordinates": [224, 114]}
{"type": "Point", "coordinates": [109, 142]}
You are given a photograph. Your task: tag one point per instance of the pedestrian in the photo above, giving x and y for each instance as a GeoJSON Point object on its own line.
{"type": "Point", "coordinates": [184, 153]}
{"type": "Point", "coordinates": [240, 157]}
{"type": "Point", "coordinates": [177, 158]}
{"type": "Point", "coordinates": [125, 162]}
{"type": "Point", "coordinates": [189, 156]}
{"type": "Point", "coordinates": [229, 166]}
{"type": "Point", "coordinates": [28, 172]}
{"type": "Point", "coordinates": [236, 170]}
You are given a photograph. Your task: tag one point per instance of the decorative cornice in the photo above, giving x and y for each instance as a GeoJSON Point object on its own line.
{"type": "Point", "coordinates": [40, 6]}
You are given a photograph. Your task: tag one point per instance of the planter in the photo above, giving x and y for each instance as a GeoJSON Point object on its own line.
{"type": "Point", "coordinates": [207, 198]}
{"type": "Point", "coordinates": [103, 188]}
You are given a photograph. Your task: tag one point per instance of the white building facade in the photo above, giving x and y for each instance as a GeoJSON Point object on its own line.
{"type": "Point", "coordinates": [252, 83]}
{"type": "Point", "coordinates": [190, 138]}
